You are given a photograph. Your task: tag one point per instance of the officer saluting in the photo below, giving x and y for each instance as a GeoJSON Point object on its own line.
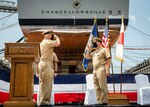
{"type": "Point", "coordinates": [101, 65]}
{"type": "Point", "coordinates": [46, 72]}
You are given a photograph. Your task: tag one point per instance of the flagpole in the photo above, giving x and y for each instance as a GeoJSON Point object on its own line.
{"type": "Point", "coordinates": [106, 20]}
{"type": "Point", "coordinates": [121, 68]}
{"type": "Point", "coordinates": [121, 79]}
{"type": "Point", "coordinates": [112, 72]}
{"type": "Point", "coordinates": [120, 98]}
{"type": "Point", "coordinates": [113, 77]}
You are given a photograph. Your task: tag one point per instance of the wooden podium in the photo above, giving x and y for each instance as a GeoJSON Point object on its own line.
{"type": "Point", "coordinates": [21, 56]}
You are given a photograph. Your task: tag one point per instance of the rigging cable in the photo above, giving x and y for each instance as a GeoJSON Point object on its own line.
{"type": "Point", "coordinates": [138, 31]}
{"type": "Point", "coordinates": [6, 16]}
{"type": "Point", "coordinates": [6, 27]}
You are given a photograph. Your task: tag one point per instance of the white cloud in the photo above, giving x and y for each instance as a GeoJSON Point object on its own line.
{"type": "Point", "coordinates": [132, 18]}
{"type": "Point", "coordinates": [149, 19]}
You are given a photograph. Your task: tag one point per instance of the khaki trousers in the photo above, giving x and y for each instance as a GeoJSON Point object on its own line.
{"type": "Point", "coordinates": [100, 84]}
{"type": "Point", "coordinates": [46, 76]}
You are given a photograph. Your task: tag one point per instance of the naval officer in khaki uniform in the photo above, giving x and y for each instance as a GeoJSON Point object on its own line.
{"type": "Point", "coordinates": [46, 72]}
{"type": "Point", "coordinates": [101, 64]}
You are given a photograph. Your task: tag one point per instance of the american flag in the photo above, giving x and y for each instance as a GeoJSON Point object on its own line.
{"type": "Point", "coordinates": [105, 37]}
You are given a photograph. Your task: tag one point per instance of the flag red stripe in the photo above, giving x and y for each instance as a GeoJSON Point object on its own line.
{"type": "Point", "coordinates": [121, 38]}
{"type": "Point", "coordinates": [69, 97]}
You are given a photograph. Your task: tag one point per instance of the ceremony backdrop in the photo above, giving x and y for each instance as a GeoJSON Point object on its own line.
{"type": "Point", "coordinates": [72, 88]}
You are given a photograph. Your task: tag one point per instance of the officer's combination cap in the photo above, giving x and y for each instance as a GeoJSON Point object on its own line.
{"type": "Point", "coordinates": [47, 32]}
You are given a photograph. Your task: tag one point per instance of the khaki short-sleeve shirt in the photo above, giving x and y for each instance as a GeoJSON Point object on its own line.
{"type": "Point", "coordinates": [99, 57]}
{"type": "Point", "coordinates": [46, 47]}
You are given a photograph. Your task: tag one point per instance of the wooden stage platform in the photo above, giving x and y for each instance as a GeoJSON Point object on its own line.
{"type": "Point", "coordinates": [81, 105]}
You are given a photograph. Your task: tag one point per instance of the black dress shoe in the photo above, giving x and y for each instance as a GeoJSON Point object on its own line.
{"type": "Point", "coordinates": [45, 105]}
{"type": "Point", "coordinates": [103, 104]}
